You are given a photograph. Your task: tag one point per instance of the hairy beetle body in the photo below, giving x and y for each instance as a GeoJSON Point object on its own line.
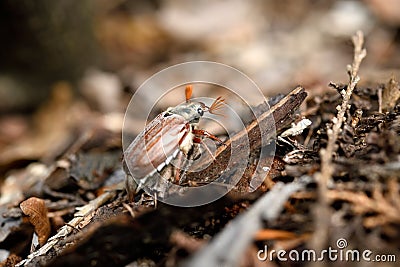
{"type": "Point", "coordinates": [170, 133]}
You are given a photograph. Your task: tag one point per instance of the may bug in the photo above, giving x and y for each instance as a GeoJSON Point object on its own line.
{"type": "Point", "coordinates": [171, 134]}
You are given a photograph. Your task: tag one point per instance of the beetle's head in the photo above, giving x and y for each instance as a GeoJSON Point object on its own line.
{"type": "Point", "coordinates": [192, 111]}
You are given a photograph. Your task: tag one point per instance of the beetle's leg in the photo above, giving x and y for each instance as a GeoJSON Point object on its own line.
{"type": "Point", "coordinates": [177, 168]}
{"type": "Point", "coordinates": [200, 141]}
{"type": "Point", "coordinates": [186, 130]}
{"type": "Point", "coordinates": [200, 132]}
{"type": "Point", "coordinates": [155, 200]}
{"type": "Point", "coordinates": [131, 187]}
{"type": "Point", "coordinates": [197, 140]}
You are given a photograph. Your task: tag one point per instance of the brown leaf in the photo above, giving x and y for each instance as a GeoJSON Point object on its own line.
{"type": "Point", "coordinates": [35, 209]}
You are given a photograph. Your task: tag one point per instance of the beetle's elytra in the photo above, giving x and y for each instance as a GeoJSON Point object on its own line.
{"type": "Point", "coordinates": [171, 133]}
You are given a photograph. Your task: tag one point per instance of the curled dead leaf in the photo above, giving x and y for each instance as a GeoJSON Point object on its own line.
{"type": "Point", "coordinates": [35, 209]}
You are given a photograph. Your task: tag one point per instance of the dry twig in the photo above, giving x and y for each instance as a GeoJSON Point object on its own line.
{"type": "Point", "coordinates": [323, 177]}
{"type": "Point", "coordinates": [362, 204]}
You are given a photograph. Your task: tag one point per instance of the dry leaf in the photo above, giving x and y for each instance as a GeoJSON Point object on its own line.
{"type": "Point", "coordinates": [35, 209]}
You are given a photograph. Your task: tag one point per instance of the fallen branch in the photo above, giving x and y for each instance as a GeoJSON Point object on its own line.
{"type": "Point", "coordinates": [228, 246]}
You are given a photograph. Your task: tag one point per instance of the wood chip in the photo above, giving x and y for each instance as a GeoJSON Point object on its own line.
{"type": "Point", "coordinates": [390, 95]}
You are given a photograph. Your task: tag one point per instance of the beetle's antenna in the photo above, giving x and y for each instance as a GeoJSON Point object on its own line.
{"type": "Point", "coordinates": [216, 105]}
{"type": "Point", "coordinates": [188, 92]}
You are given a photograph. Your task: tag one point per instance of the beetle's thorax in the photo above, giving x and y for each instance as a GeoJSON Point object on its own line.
{"type": "Point", "coordinates": [192, 111]}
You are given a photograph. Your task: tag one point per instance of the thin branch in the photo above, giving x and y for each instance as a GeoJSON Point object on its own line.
{"type": "Point", "coordinates": [333, 132]}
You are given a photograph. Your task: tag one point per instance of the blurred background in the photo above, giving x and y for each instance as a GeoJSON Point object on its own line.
{"type": "Point", "coordinates": [69, 67]}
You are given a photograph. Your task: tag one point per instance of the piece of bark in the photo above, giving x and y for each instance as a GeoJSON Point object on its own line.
{"type": "Point", "coordinates": [390, 95]}
{"type": "Point", "coordinates": [273, 121]}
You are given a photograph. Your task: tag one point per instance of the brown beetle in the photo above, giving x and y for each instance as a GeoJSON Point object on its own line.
{"type": "Point", "coordinates": [170, 134]}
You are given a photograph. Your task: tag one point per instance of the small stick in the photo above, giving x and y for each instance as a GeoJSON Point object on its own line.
{"type": "Point", "coordinates": [323, 177]}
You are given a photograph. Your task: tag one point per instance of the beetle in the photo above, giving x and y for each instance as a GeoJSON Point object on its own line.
{"type": "Point", "coordinates": [171, 133]}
